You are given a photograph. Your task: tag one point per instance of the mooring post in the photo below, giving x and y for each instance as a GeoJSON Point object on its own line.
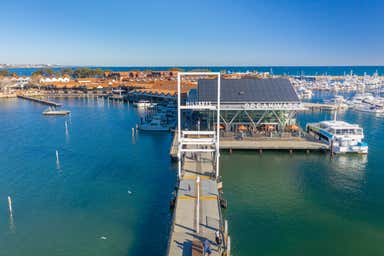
{"type": "Point", "coordinates": [226, 230]}
{"type": "Point", "coordinates": [229, 246]}
{"type": "Point", "coordinates": [198, 204]}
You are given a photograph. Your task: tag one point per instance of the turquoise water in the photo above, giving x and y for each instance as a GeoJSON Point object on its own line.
{"type": "Point", "coordinates": [279, 204]}
{"type": "Point", "coordinates": [67, 209]}
{"type": "Point", "coordinates": [308, 204]}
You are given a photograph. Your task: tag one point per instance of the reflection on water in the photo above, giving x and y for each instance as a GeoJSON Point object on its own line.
{"type": "Point", "coordinates": [12, 227]}
{"type": "Point", "coordinates": [348, 172]}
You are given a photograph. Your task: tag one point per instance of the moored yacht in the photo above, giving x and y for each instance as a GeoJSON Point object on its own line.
{"type": "Point", "coordinates": [156, 124]}
{"type": "Point", "coordinates": [342, 136]}
{"type": "Point", "coordinates": [144, 104]}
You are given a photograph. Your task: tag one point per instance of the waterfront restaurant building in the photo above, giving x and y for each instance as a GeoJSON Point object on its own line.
{"type": "Point", "coordinates": [252, 106]}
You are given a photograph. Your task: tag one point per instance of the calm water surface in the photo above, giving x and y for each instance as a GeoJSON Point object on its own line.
{"type": "Point", "coordinates": [278, 204]}
{"type": "Point", "coordinates": [66, 209]}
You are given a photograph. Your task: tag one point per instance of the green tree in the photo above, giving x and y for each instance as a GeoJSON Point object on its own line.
{"type": "Point", "coordinates": [66, 71]}
{"type": "Point", "coordinates": [5, 72]}
{"type": "Point", "coordinates": [37, 73]}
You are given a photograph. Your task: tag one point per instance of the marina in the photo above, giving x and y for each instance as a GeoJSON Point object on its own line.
{"type": "Point", "coordinates": [144, 128]}
{"type": "Point", "coordinates": [209, 203]}
{"type": "Point", "coordinates": [261, 117]}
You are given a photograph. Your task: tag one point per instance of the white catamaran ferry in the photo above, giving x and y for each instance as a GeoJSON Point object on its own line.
{"type": "Point", "coordinates": [346, 137]}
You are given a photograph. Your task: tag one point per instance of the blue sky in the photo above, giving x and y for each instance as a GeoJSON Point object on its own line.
{"type": "Point", "coordinates": [222, 32]}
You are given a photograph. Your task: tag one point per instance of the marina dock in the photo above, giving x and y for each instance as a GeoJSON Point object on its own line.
{"type": "Point", "coordinates": [304, 143]}
{"type": "Point", "coordinates": [275, 143]}
{"type": "Point", "coordinates": [186, 233]}
{"type": "Point", "coordinates": [42, 101]}
{"type": "Point", "coordinates": [319, 106]}
{"type": "Point", "coordinates": [197, 225]}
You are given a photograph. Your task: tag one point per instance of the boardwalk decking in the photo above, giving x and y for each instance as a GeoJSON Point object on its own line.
{"type": "Point", "coordinates": [290, 143]}
{"type": "Point", "coordinates": [42, 101]}
{"type": "Point", "coordinates": [264, 143]}
{"type": "Point", "coordinates": [184, 226]}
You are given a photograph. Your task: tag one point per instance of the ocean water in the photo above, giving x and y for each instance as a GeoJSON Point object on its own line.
{"type": "Point", "coordinates": [109, 194]}
{"type": "Point", "coordinates": [277, 70]}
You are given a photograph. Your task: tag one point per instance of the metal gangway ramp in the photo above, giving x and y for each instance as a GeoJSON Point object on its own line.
{"type": "Point", "coordinates": [197, 214]}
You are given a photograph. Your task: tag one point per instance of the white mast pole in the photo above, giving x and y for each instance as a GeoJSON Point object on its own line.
{"type": "Point", "coordinates": [218, 125]}
{"type": "Point", "coordinates": [179, 122]}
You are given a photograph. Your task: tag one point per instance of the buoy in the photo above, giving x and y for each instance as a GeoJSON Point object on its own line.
{"type": "Point", "coordinates": [103, 238]}
{"type": "Point", "coordinates": [129, 192]}
{"type": "Point", "coordinates": [10, 206]}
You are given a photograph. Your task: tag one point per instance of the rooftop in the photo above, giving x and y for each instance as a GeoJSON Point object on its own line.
{"type": "Point", "coordinates": [339, 124]}
{"type": "Point", "coordinates": [248, 90]}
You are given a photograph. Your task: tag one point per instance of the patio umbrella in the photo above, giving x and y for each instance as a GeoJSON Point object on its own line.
{"type": "Point", "coordinates": [243, 128]}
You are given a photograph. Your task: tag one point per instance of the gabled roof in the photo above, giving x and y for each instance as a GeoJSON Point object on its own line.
{"type": "Point", "coordinates": [248, 90]}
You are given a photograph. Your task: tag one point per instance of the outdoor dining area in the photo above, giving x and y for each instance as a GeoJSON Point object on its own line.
{"type": "Point", "coordinates": [263, 130]}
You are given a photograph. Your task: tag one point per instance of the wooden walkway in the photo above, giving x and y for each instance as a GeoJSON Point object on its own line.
{"type": "Point", "coordinates": [275, 143]}
{"type": "Point", "coordinates": [42, 101]}
{"type": "Point", "coordinates": [263, 143]}
{"type": "Point", "coordinates": [184, 226]}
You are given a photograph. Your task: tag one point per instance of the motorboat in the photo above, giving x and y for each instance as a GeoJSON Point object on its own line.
{"type": "Point", "coordinates": [341, 136]}
{"type": "Point", "coordinates": [156, 124]}
{"type": "Point", "coordinates": [144, 104]}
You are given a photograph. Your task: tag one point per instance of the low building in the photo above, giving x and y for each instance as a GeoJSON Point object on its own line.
{"type": "Point", "coordinates": [54, 80]}
{"type": "Point", "coordinates": [250, 105]}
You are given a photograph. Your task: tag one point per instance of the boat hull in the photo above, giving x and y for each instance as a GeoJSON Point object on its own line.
{"type": "Point", "coordinates": [56, 113]}
{"type": "Point", "coordinates": [351, 149]}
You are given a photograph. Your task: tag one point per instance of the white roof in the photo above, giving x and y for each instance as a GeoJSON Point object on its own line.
{"type": "Point", "coordinates": [340, 125]}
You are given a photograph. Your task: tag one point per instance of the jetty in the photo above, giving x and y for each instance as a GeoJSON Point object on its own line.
{"type": "Point", "coordinates": [304, 143]}
{"type": "Point", "coordinates": [42, 101]}
{"type": "Point", "coordinates": [198, 227]}
{"type": "Point", "coordinates": [275, 143]}
{"type": "Point", "coordinates": [309, 106]}
{"type": "Point", "coordinates": [197, 214]}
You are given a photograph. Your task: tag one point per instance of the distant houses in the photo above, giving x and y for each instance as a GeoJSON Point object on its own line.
{"type": "Point", "coordinates": [64, 79]}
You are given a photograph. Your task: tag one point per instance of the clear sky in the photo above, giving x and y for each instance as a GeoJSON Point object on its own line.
{"type": "Point", "coordinates": [193, 32]}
